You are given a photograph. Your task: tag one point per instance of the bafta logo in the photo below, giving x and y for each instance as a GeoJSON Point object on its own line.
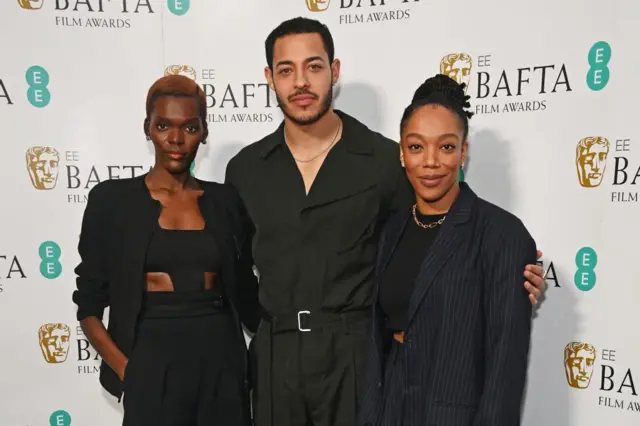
{"type": "Point", "coordinates": [458, 67]}
{"type": "Point", "coordinates": [184, 70]}
{"type": "Point", "coordinates": [579, 360]}
{"type": "Point", "coordinates": [317, 5]}
{"type": "Point", "coordinates": [54, 342]}
{"type": "Point", "coordinates": [591, 160]}
{"type": "Point", "coordinates": [42, 165]}
{"type": "Point", "coordinates": [31, 4]}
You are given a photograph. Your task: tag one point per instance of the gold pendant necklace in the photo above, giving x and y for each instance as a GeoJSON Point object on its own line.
{"type": "Point", "coordinates": [429, 225]}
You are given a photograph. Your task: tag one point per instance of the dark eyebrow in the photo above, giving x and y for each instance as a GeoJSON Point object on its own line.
{"type": "Point", "coordinates": [189, 119]}
{"type": "Point", "coordinates": [441, 137]}
{"type": "Point", "coordinates": [311, 59]}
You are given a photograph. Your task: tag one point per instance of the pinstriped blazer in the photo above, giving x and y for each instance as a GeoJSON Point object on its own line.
{"type": "Point", "coordinates": [469, 322]}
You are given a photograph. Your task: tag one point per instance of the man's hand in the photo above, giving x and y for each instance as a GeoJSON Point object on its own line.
{"type": "Point", "coordinates": [535, 283]}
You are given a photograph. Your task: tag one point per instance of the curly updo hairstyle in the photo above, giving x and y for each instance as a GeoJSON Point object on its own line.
{"type": "Point", "coordinates": [444, 91]}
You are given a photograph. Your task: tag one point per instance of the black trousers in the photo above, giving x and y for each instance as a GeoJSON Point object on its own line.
{"type": "Point", "coordinates": [314, 376]}
{"type": "Point", "coordinates": [185, 371]}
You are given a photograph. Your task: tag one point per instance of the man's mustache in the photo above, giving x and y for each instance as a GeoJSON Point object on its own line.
{"type": "Point", "coordinates": [302, 92]}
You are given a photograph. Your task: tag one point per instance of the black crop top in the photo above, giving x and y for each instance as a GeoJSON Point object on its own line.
{"type": "Point", "coordinates": [396, 285]}
{"type": "Point", "coordinates": [185, 255]}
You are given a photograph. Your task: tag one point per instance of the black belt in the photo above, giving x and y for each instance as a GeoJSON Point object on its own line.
{"type": "Point", "coordinates": [303, 322]}
{"type": "Point", "coordinates": [182, 304]}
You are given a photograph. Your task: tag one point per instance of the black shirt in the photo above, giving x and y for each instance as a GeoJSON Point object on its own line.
{"type": "Point", "coordinates": [398, 278]}
{"type": "Point", "coordinates": [318, 251]}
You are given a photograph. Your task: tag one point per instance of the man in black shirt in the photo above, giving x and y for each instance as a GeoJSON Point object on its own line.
{"type": "Point", "coordinates": [316, 192]}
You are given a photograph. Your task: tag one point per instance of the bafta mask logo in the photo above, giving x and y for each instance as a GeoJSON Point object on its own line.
{"type": "Point", "coordinates": [458, 67]}
{"type": "Point", "coordinates": [185, 70]}
{"type": "Point", "coordinates": [42, 165]}
{"type": "Point", "coordinates": [579, 360]}
{"type": "Point", "coordinates": [31, 4]}
{"type": "Point", "coordinates": [591, 160]}
{"type": "Point", "coordinates": [317, 5]}
{"type": "Point", "coordinates": [54, 342]}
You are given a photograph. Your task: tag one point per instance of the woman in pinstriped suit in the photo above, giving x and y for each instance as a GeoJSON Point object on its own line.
{"type": "Point", "coordinates": [452, 321]}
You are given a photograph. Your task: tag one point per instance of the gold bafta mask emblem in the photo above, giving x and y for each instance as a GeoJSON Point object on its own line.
{"type": "Point", "coordinates": [185, 70]}
{"type": "Point", "coordinates": [579, 360]}
{"type": "Point", "coordinates": [42, 165]}
{"type": "Point", "coordinates": [458, 67]}
{"type": "Point", "coordinates": [54, 342]}
{"type": "Point", "coordinates": [591, 160]}
{"type": "Point", "coordinates": [30, 4]}
{"type": "Point", "coordinates": [317, 5]}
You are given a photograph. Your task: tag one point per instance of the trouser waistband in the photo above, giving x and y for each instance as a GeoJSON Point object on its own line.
{"type": "Point", "coordinates": [306, 321]}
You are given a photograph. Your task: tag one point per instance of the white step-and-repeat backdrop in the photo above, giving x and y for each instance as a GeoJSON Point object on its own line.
{"type": "Point", "coordinates": [554, 85]}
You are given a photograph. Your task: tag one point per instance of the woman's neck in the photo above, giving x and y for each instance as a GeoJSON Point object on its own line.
{"type": "Point", "coordinates": [158, 178]}
{"type": "Point", "coordinates": [440, 206]}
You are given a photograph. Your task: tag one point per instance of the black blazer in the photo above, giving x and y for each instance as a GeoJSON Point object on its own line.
{"type": "Point", "coordinates": [118, 223]}
{"type": "Point", "coordinates": [469, 321]}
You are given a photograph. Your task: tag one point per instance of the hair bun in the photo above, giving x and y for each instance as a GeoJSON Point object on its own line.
{"type": "Point", "coordinates": [444, 86]}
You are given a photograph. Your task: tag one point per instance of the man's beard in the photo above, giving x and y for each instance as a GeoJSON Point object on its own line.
{"type": "Point", "coordinates": [326, 105]}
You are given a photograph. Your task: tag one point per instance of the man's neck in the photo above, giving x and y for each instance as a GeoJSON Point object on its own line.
{"type": "Point", "coordinates": [311, 135]}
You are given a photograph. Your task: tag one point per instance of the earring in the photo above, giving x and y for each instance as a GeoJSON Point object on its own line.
{"type": "Point", "coordinates": [462, 165]}
{"type": "Point", "coordinates": [148, 137]}
{"type": "Point", "coordinates": [204, 141]}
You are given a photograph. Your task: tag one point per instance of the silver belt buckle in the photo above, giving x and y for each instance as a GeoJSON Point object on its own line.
{"type": "Point", "coordinates": [300, 320]}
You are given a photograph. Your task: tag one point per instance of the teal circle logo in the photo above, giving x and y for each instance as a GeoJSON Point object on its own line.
{"type": "Point", "coordinates": [60, 418]}
{"type": "Point", "coordinates": [598, 74]}
{"type": "Point", "coordinates": [585, 276]}
{"type": "Point", "coordinates": [179, 7]}
{"type": "Point", "coordinates": [50, 266]}
{"type": "Point", "coordinates": [38, 80]}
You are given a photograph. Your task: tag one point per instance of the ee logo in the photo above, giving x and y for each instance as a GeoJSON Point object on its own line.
{"type": "Point", "coordinates": [585, 276]}
{"type": "Point", "coordinates": [599, 57]}
{"type": "Point", "coordinates": [49, 253]}
{"type": "Point", "coordinates": [60, 418]}
{"type": "Point", "coordinates": [38, 80]}
{"type": "Point", "coordinates": [179, 7]}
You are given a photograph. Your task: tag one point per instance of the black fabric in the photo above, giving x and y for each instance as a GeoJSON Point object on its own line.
{"type": "Point", "coordinates": [466, 344]}
{"type": "Point", "coordinates": [316, 251]}
{"type": "Point", "coordinates": [395, 378]}
{"type": "Point", "coordinates": [182, 304]}
{"type": "Point", "coordinates": [119, 222]}
{"type": "Point", "coordinates": [185, 255]}
{"type": "Point", "coordinates": [397, 281]}
{"type": "Point", "coordinates": [180, 375]}
{"type": "Point", "coordinates": [315, 375]}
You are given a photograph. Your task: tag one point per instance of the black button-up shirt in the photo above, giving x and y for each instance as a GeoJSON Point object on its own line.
{"type": "Point", "coordinates": [318, 251]}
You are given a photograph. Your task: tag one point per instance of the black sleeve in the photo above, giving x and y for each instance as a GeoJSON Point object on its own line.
{"type": "Point", "coordinates": [507, 326]}
{"type": "Point", "coordinates": [92, 282]}
{"type": "Point", "coordinates": [247, 283]}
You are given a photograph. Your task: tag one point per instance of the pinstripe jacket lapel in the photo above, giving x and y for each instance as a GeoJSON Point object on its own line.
{"type": "Point", "coordinates": [452, 233]}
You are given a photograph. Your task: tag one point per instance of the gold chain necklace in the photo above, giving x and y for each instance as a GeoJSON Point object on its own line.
{"type": "Point", "coordinates": [429, 225]}
{"type": "Point", "coordinates": [321, 152]}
